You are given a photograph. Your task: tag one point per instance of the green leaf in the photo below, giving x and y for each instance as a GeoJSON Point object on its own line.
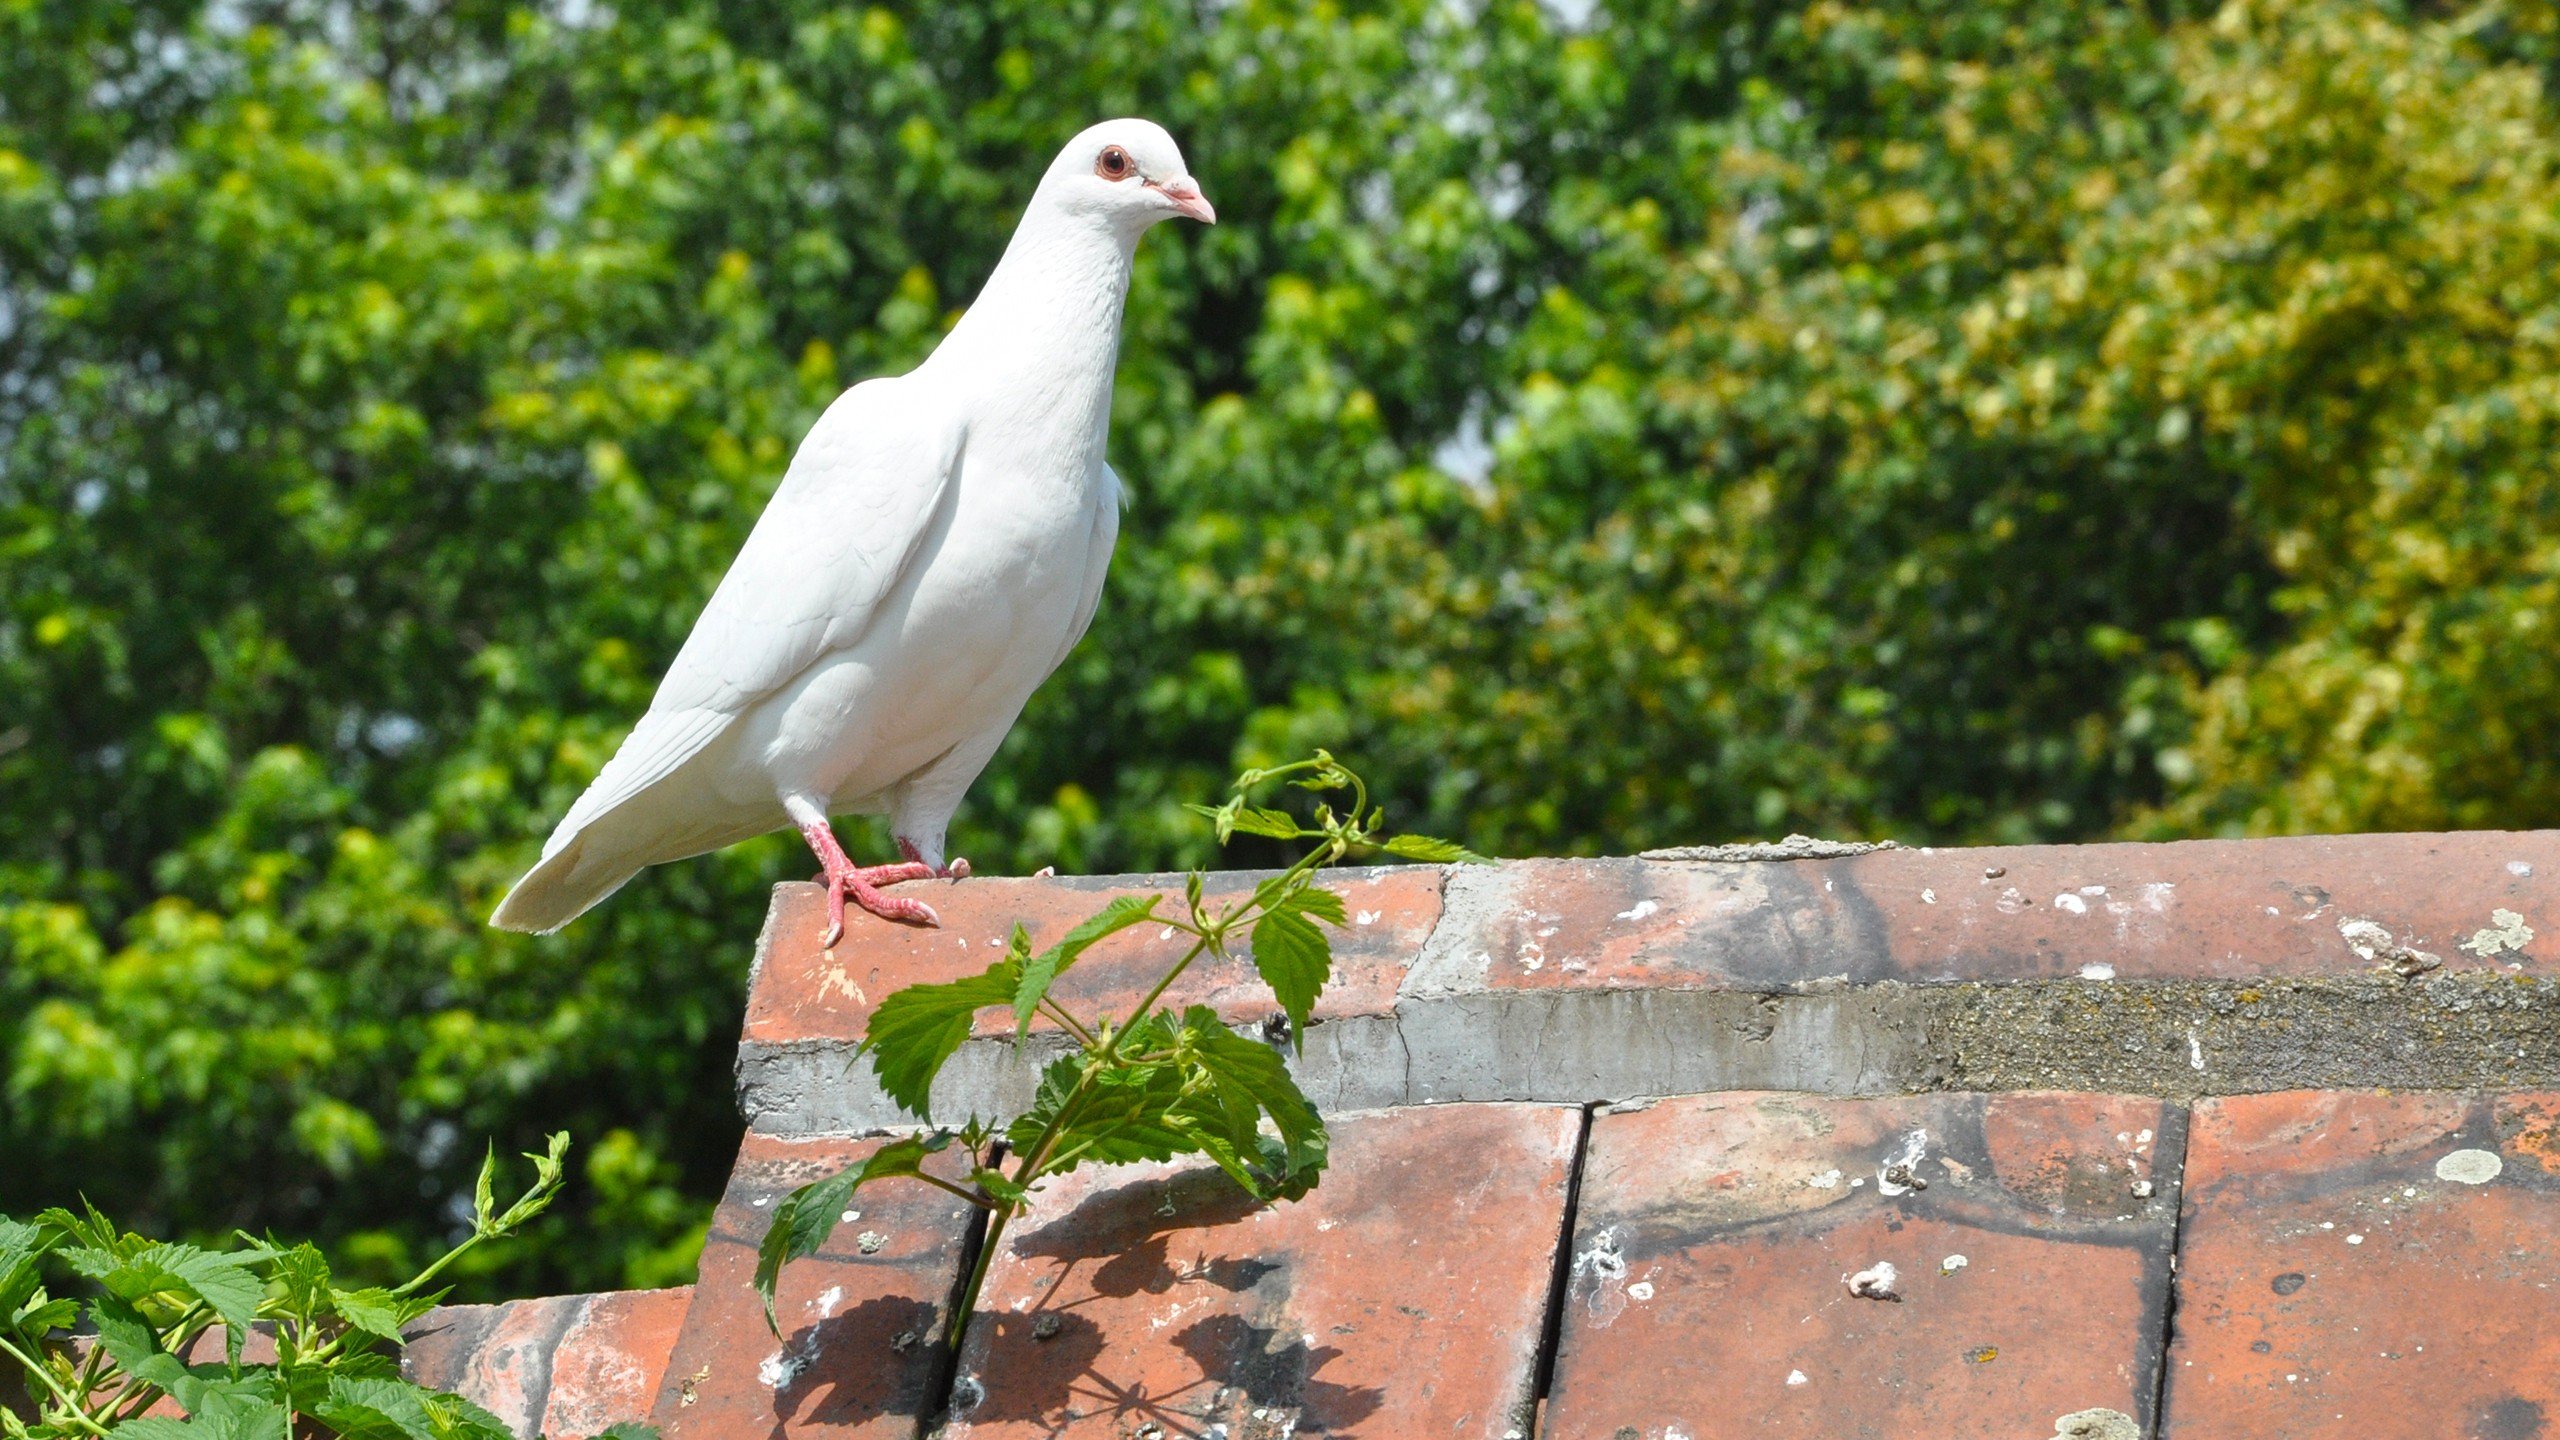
{"type": "Point", "coordinates": [808, 1215]}
{"type": "Point", "coordinates": [375, 1409]}
{"type": "Point", "coordinates": [160, 1427]}
{"type": "Point", "coordinates": [1294, 956]}
{"type": "Point", "coordinates": [134, 1345]}
{"type": "Point", "coordinates": [1043, 970]}
{"type": "Point", "coordinates": [21, 1246]}
{"type": "Point", "coordinates": [1437, 852]}
{"type": "Point", "coordinates": [1237, 817]}
{"type": "Point", "coordinates": [629, 1430]}
{"type": "Point", "coordinates": [1124, 1114]}
{"type": "Point", "coordinates": [997, 1185]}
{"type": "Point", "coordinates": [1248, 1076]}
{"type": "Point", "coordinates": [300, 1276]}
{"type": "Point", "coordinates": [373, 1311]}
{"type": "Point", "coordinates": [89, 1228]}
{"type": "Point", "coordinates": [239, 1419]}
{"type": "Point", "coordinates": [38, 1319]}
{"type": "Point", "coordinates": [1319, 904]}
{"type": "Point", "coordinates": [484, 1193]}
{"type": "Point", "coordinates": [915, 1030]}
{"type": "Point", "coordinates": [225, 1283]}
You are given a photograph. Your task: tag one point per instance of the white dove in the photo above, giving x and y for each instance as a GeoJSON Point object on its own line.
{"type": "Point", "coordinates": [935, 550]}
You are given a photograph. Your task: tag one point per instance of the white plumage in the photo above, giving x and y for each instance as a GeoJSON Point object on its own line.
{"type": "Point", "coordinates": [935, 550]}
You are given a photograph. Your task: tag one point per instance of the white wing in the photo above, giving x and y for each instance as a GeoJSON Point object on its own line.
{"type": "Point", "coordinates": [845, 524]}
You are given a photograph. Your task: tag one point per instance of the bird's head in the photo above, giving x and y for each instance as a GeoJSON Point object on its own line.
{"type": "Point", "coordinates": [1125, 175]}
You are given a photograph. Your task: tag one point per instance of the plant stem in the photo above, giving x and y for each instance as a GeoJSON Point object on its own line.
{"type": "Point", "coordinates": [972, 1196]}
{"type": "Point", "coordinates": [1075, 1027]}
{"type": "Point", "coordinates": [71, 1406]}
{"type": "Point", "coordinates": [457, 1252]}
{"type": "Point", "coordinates": [968, 1305]}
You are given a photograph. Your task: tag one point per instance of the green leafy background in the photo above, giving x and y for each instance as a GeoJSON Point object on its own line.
{"type": "Point", "coordinates": [1610, 424]}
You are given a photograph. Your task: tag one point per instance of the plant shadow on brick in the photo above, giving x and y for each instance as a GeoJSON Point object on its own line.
{"type": "Point", "coordinates": [334, 1373]}
{"type": "Point", "coordinates": [1155, 1085]}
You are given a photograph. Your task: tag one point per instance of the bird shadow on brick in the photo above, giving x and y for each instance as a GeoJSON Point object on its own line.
{"type": "Point", "coordinates": [873, 1359]}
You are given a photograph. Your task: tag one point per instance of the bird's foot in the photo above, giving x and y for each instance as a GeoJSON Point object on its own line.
{"type": "Point", "coordinates": [957, 869]}
{"type": "Point", "coordinates": [862, 884]}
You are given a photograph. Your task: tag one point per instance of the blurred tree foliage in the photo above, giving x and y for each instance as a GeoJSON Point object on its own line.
{"type": "Point", "coordinates": [1654, 421]}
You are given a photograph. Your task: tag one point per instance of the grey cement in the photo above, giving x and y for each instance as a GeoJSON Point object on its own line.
{"type": "Point", "coordinates": [2175, 1040]}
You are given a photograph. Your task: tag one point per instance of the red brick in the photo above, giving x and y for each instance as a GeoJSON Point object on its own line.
{"type": "Point", "coordinates": [1715, 1233]}
{"type": "Point", "coordinates": [802, 992]}
{"type": "Point", "coordinates": [496, 1356]}
{"type": "Point", "coordinates": [2331, 1284]}
{"type": "Point", "coordinates": [610, 1362]}
{"type": "Point", "coordinates": [861, 1329]}
{"type": "Point", "coordinates": [2202, 909]}
{"type": "Point", "coordinates": [1403, 1298]}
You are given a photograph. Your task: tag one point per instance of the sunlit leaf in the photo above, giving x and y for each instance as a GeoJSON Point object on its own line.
{"type": "Point", "coordinates": [1042, 970]}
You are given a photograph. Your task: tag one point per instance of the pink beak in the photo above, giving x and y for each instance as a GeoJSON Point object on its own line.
{"type": "Point", "coordinates": [1186, 197]}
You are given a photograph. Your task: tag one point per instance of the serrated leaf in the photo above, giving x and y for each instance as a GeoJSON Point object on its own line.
{"type": "Point", "coordinates": [918, 1028]}
{"type": "Point", "coordinates": [245, 1419]}
{"type": "Point", "coordinates": [90, 1228]}
{"type": "Point", "coordinates": [629, 1430]}
{"type": "Point", "coordinates": [1123, 1114]}
{"type": "Point", "coordinates": [373, 1409]}
{"type": "Point", "coordinates": [1042, 970]}
{"type": "Point", "coordinates": [300, 1275]}
{"type": "Point", "coordinates": [1318, 904]}
{"type": "Point", "coordinates": [1295, 959]}
{"type": "Point", "coordinates": [464, 1420]}
{"type": "Point", "coordinates": [1248, 1077]}
{"type": "Point", "coordinates": [373, 1311]}
{"type": "Point", "coordinates": [1436, 852]}
{"type": "Point", "coordinates": [1254, 820]}
{"type": "Point", "coordinates": [132, 1343]}
{"type": "Point", "coordinates": [807, 1216]}
{"type": "Point", "coordinates": [160, 1427]}
{"type": "Point", "coordinates": [37, 1320]}
{"type": "Point", "coordinates": [1221, 817]}
{"type": "Point", "coordinates": [225, 1283]}
{"type": "Point", "coordinates": [21, 1246]}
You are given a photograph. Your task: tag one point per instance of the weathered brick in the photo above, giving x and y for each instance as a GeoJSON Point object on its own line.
{"type": "Point", "coordinates": [861, 1320]}
{"type": "Point", "coordinates": [1404, 1297]}
{"type": "Point", "coordinates": [1716, 1236]}
{"type": "Point", "coordinates": [2369, 1266]}
{"type": "Point", "coordinates": [802, 992]}
{"type": "Point", "coordinates": [611, 1360]}
{"type": "Point", "coordinates": [2191, 910]}
{"type": "Point", "coordinates": [497, 1356]}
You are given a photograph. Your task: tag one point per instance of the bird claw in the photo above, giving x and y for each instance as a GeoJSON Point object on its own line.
{"type": "Point", "coordinates": [862, 885]}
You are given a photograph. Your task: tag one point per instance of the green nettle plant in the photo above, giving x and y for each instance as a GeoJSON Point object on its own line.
{"type": "Point", "coordinates": [1154, 1085]}
{"type": "Point", "coordinates": [335, 1371]}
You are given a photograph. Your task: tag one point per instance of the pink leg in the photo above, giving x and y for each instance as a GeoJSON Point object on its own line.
{"type": "Point", "coordinates": [844, 878]}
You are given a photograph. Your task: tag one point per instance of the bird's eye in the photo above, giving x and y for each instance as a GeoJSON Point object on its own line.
{"type": "Point", "coordinates": [1114, 164]}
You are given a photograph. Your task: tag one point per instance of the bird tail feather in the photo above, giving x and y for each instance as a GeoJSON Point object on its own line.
{"type": "Point", "coordinates": [561, 889]}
